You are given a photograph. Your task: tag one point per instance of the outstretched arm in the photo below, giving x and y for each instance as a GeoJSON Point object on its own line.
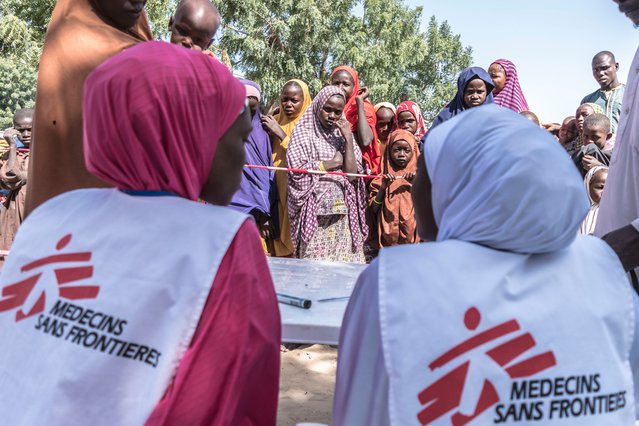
{"type": "Point", "coordinates": [625, 242]}
{"type": "Point", "coordinates": [364, 131]}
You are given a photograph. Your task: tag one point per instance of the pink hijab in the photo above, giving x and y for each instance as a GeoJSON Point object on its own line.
{"type": "Point", "coordinates": [153, 116]}
{"type": "Point", "coordinates": [414, 109]}
{"type": "Point", "coordinates": [511, 96]}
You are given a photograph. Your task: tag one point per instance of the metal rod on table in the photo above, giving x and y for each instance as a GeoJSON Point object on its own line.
{"type": "Point", "coordinates": [334, 299]}
{"type": "Point", "coordinates": [299, 302]}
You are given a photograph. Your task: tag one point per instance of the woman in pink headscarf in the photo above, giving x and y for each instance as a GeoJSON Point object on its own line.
{"type": "Point", "coordinates": [161, 309]}
{"type": "Point", "coordinates": [409, 117]}
{"type": "Point", "coordinates": [507, 91]}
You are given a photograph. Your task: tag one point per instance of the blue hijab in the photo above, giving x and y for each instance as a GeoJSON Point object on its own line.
{"type": "Point", "coordinates": [457, 105]}
{"type": "Point", "coordinates": [521, 210]}
{"type": "Point", "coordinates": [257, 191]}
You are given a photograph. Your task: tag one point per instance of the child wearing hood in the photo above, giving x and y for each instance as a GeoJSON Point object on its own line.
{"type": "Point", "coordinates": [595, 181]}
{"type": "Point", "coordinates": [390, 207]}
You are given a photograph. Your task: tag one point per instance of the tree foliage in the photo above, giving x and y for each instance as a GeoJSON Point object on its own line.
{"type": "Point", "coordinates": [159, 12]}
{"type": "Point", "coordinates": [272, 41]}
{"type": "Point", "coordinates": [20, 48]}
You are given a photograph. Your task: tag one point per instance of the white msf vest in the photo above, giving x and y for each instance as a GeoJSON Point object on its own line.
{"type": "Point", "coordinates": [481, 337]}
{"type": "Point", "coordinates": [101, 295]}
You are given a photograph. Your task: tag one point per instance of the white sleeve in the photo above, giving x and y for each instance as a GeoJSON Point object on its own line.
{"type": "Point", "coordinates": [634, 354]}
{"type": "Point", "coordinates": [636, 224]}
{"type": "Point", "coordinates": [361, 390]}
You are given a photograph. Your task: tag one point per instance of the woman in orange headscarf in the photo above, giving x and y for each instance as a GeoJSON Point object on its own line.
{"type": "Point", "coordinates": [390, 206]}
{"type": "Point", "coordinates": [361, 114]}
{"type": "Point", "coordinates": [82, 34]}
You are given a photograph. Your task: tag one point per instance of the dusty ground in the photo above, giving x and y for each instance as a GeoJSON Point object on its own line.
{"type": "Point", "coordinates": [306, 385]}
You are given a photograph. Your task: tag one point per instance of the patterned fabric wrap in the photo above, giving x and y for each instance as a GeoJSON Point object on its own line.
{"type": "Point", "coordinates": [511, 96]}
{"type": "Point", "coordinates": [310, 144]}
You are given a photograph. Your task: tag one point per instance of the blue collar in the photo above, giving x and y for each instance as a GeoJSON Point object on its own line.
{"type": "Point", "coordinates": [149, 193]}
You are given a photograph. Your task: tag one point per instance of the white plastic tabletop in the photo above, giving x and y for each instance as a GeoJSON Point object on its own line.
{"type": "Point", "coordinates": [313, 280]}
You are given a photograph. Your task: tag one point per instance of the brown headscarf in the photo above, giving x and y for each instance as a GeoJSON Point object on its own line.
{"type": "Point", "coordinates": [77, 41]}
{"type": "Point", "coordinates": [395, 221]}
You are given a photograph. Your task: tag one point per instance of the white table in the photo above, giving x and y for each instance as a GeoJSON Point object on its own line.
{"type": "Point", "coordinates": [313, 280]}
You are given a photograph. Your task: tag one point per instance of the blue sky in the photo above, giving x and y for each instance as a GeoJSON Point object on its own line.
{"type": "Point", "coordinates": [550, 41]}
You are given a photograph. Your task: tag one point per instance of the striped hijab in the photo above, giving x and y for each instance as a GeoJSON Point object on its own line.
{"type": "Point", "coordinates": [511, 96]}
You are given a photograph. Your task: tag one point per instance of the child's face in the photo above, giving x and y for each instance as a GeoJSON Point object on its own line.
{"type": "Point", "coordinates": [568, 131]}
{"type": "Point", "coordinates": [596, 135]}
{"type": "Point", "coordinates": [406, 121]}
{"type": "Point", "coordinates": [580, 116]}
{"type": "Point", "coordinates": [385, 121]}
{"type": "Point", "coordinates": [332, 111]}
{"type": "Point", "coordinates": [597, 185]}
{"type": "Point", "coordinates": [475, 93]}
{"type": "Point", "coordinates": [23, 126]}
{"type": "Point", "coordinates": [292, 99]}
{"type": "Point", "coordinates": [401, 153]}
{"type": "Point", "coordinates": [344, 81]}
{"type": "Point", "coordinates": [498, 75]}
{"type": "Point", "coordinates": [194, 26]}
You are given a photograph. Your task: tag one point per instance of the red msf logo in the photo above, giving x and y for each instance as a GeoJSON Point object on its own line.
{"type": "Point", "coordinates": [18, 294]}
{"type": "Point", "coordinates": [447, 393]}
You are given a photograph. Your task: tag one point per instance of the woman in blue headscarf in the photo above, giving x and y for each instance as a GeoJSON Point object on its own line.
{"type": "Point", "coordinates": [258, 194]}
{"type": "Point", "coordinates": [474, 88]}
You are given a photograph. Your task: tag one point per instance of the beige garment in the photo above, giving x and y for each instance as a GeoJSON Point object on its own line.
{"type": "Point", "coordinates": [77, 41]}
{"type": "Point", "coordinates": [12, 211]}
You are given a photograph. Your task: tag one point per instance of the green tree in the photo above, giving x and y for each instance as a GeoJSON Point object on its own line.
{"type": "Point", "coordinates": [159, 12]}
{"type": "Point", "coordinates": [272, 41]}
{"type": "Point", "coordinates": [20, 49]}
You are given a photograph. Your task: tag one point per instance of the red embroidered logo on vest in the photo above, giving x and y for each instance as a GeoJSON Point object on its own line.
{"type": "Point", "coordinates": [446, 393]}
{"type": "Point", "coordinates": [18, 294]}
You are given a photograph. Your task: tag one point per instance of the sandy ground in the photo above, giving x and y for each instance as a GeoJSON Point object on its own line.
{"type": "Point", "coordinates": [306, 385]}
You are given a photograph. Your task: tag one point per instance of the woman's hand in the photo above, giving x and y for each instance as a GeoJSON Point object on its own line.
{"type": "Point", "coordinates": [337, 162]}
{"type": "Point", "coordinates": [345, 129]}
{"type": "Point", "coordinates": [272, 127]}
{"type": "Point", "coordinates": [362, 95]}
{"type": "Point", "coordinates": [274, 109]}
{"type": "Point", "coordinates": [266, 229]}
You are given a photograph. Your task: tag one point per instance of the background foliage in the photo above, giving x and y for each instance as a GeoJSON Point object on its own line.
{"type": "Point", "coordinates": [271, 41]}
